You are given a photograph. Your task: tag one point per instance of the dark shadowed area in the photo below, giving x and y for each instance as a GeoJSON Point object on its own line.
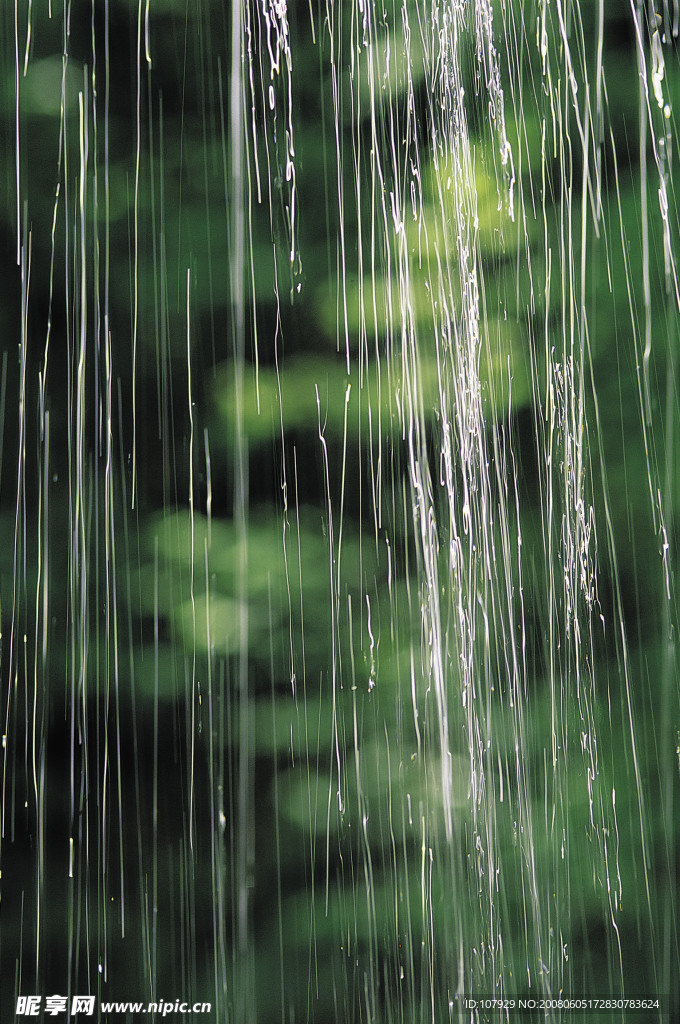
{"type": "Point", "coordinates": [338, 478]}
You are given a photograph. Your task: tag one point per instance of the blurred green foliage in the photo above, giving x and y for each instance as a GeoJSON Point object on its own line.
{"type": "Point", "coordinates": [340, 724]}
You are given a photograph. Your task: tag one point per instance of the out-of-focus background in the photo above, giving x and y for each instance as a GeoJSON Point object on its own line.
{"type": "Point", "coordinates": [338, 479]}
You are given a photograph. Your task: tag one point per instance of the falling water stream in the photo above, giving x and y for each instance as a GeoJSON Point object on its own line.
{"type": "Point", "coordinates": [338, 484]}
